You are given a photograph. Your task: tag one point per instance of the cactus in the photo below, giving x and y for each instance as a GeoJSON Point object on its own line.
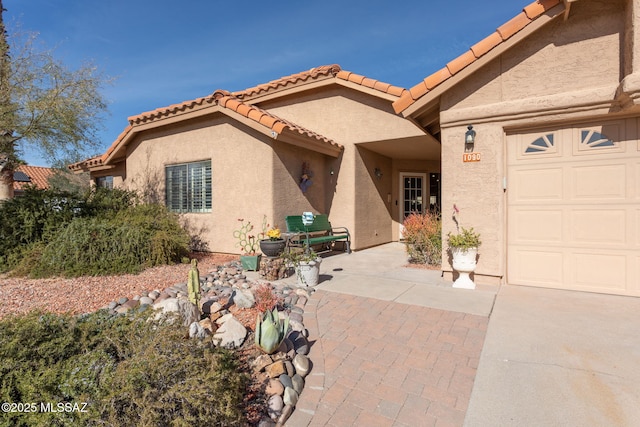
{"type": "Point", "coordinates": [193, 283]}
{"type": "Point", "coordinates": [270, 331]}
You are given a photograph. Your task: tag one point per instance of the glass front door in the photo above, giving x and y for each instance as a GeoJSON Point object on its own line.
{"type": "Point", "coordinates": [412, 195]}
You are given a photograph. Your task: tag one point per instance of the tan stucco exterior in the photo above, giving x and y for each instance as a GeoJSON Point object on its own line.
{"type": "Point", "coordinates": [567, 71]}
{"type": "Point", "coordinates": [254, 173]}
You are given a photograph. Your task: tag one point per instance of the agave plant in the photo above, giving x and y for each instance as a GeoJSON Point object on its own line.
{"type": "Point", "coordinates": [270, 330]}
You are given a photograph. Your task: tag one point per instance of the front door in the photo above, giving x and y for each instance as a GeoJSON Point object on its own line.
{"type": "Point", "coordinates": [412, 195]}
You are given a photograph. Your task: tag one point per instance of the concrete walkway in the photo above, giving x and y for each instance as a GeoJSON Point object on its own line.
{"type": "Point", "coordinates": [396, 346]}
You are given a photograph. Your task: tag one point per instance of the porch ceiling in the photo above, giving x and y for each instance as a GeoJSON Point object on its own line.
{"type": "Point", "coordinates": [423, 147]}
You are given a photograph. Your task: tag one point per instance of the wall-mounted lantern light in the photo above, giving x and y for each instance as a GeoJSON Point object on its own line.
{"type": "Point", "coordinates": [469, 138]}
{"type": "Point", "coordinates": [378, 173]}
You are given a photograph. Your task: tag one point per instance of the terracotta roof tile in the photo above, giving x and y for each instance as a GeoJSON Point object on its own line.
{"type": "Point", "coordinates": [503, 33]}
{"type": "Point", "coordinates": [514, 25]}
{"type": "Point", "coordinates": [486, 44]}
{"type": "Point", "coordinates": [539, 7]}
{"type": "Point", "coordinates": [283, 82]}
{"type": "Point", "coordinates": [38, 176]}
{"type": "Point", "coordinates": [418, 90]}
{"type": "Point", "coordinates": [461, 62]}
{"type": "Point", "coordinates": [318, 73]}
{"type": "Point", "coordinates": [436, 78]}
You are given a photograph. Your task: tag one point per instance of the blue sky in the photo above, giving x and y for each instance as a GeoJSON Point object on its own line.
{"type": "Point", "coordinates": [161, 53]}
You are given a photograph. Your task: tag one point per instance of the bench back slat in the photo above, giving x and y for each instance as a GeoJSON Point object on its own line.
{"type": "Point", "coordinates": [295, 225]}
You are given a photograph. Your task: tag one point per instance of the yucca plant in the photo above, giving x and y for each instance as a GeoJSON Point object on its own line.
{"type": "Point", "coordinates": [270, 330]}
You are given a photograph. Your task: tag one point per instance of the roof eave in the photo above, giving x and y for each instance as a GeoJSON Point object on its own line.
{"type": "Point", "coordinates": [427, 101]}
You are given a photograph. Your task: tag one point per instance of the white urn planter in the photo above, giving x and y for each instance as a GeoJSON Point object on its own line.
{"type": "Point", "coordinates": [464, 262]}
{"type": "Point", "coordinates": [308, 272]}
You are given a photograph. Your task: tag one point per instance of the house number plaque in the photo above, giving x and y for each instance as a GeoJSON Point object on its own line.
{"type": "Point", "coordinates": [471, 157]}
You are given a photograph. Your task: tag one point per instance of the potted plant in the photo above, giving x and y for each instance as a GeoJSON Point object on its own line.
{"type": "Point", "coordinates": [306, 264]}
{"type": "Point", "coordinates": [248, 242]}
{"type": "Point", "coordinates": [274, 244]}
{"type": "Point", "coordinates": [464, 251]}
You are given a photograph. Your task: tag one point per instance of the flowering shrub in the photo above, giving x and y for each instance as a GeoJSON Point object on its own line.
{"type": "Point", "coordinates": [423, 237]}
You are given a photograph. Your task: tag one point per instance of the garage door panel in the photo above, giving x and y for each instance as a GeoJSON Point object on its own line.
{"type": "Point", "coordinates": [599, 227]}
{"type": "Point", "coordinates": [538, 185]}
{"type": "Point", "coordinates": [537, 226]}
{"type": "Point", "coordinates": [537, 267]}
{"type": "Point", "coordinates": [599, 182]}
{"type": "Point", "coordinates": [599, 271]}
{"type": "Point", "coordinates": [573, 208]}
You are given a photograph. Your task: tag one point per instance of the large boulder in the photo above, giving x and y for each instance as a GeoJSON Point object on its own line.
{"type": "Point", "coordinates": [187, 312]}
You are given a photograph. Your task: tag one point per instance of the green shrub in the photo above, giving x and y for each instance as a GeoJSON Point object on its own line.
{"type": "Point", "coordinates": [423, 238]}
{"type": "Point", "coordinates": [136, 238]}
{"type": "Point", "coordinates": [38, 215]}
{"type": "Point", "coordinates": [128, 369]}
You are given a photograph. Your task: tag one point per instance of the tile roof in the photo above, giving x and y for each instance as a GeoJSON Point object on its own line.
{"type": "Point", "coordinates": [316, 74]}
{"type": "Point", "coordinates": [38, 176]}
{"type": "Point", "coordinates": [239, 103]}
{"type": "Point", "coordinates": [529, 14]}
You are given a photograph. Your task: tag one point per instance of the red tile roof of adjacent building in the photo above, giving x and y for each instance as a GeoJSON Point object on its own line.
{"type": "Point", "coordinates": [529, 14]}
{"type": "Point", "coordinates": [38, 175]}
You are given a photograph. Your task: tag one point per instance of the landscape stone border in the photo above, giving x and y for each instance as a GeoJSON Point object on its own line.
{"type": "Point", "coordinates": [285, 372]}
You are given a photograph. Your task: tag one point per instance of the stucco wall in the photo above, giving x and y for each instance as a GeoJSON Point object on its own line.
{"type": "Point", "coordinates": [249, 178]}
{"type": "Point", "coordinates": [566, 71]}
{"type": "Point", "coordinates": [355, 198]}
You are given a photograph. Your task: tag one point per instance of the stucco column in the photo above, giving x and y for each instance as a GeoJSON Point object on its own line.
{"type": "Point", "coordinates": [629, 90]}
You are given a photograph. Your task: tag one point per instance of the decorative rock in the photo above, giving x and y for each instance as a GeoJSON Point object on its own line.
{"type": "Point", "coordinates": [154, 294]}
{"type": "Point", "coordinates": [274, 387]}
{"type": "Point", "coordinates": [112, 305]}
{"type": "Point", "coordinates": [146, 301]}
{"type": "Point", "coordinates": [208, 325]}
{"type": "Point", "coordinates": [285, 345]}
{"type": "Point", "coordinates": [296, 326]}
{"type": "Point", "coordinates": [224, 318]}
{"type": "Point", "coordinates": [290, 396]}
{"type": "Point", "coordinates": [186, 311]}
{"type": "Point", "coordinates": [123, 300]}
{"type": "Point", "coordinates": [231, 334]}
{"type": "Point", "coordinates": [275, 369]}
{"type": "Point", "coordinates": [286, 413]}
{"type": "Point", "coordinates": [289, 367]}
{"type": "Point", "coordinates": [301, 345]}
{"type": "Point", "coordinates": [286, 380]}
{"type": "Point", "coordinates": [261, 362]}
{"type": "Point", "coordinates": [197, 331]}
{"type": "Point", "coordinates": [210, 306]}
{"type": "Point", "coordinates": [296, 317]}
{"type": "Point", "coordinates": [298, 383]}
{"type": "Point", "coordinates": [265, 422]}
{"type": "Point", "coordinates": [302, 364]}
{"type": "Point", "coordinates": [128, 305]}
{"type": "Point", "coordinates": [243, 298]}
{"type": "Point", "coordinates": [274, 406]}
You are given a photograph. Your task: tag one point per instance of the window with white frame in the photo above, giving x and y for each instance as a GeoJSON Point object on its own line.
{"type": "Point", "coordinates": [188, 187]}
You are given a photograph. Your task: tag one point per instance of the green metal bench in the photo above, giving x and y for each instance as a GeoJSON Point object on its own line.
{"type": "Point", "coordinates": [320, 232]}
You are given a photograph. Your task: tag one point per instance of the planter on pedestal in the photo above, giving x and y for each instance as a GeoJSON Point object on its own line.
{"type": "Point", "coordinates": [464, 262]}
{"type": "Point", "coordinates": [272, 247]}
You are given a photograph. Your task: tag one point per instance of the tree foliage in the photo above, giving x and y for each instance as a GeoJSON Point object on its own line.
{"type": "Point", "coordinates": [44, 105]}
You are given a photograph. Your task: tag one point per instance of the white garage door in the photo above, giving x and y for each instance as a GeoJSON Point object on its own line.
{"type": "Point", "coordinates": [574, 208]}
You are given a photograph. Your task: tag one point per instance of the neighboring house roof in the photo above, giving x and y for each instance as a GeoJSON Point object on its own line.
{"type": "Point", "coordinates": [35, 175]}
{"type": "Point", "coordinates": [241, 106]}
{"type": "Point", "coordinates": [480, 51]}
